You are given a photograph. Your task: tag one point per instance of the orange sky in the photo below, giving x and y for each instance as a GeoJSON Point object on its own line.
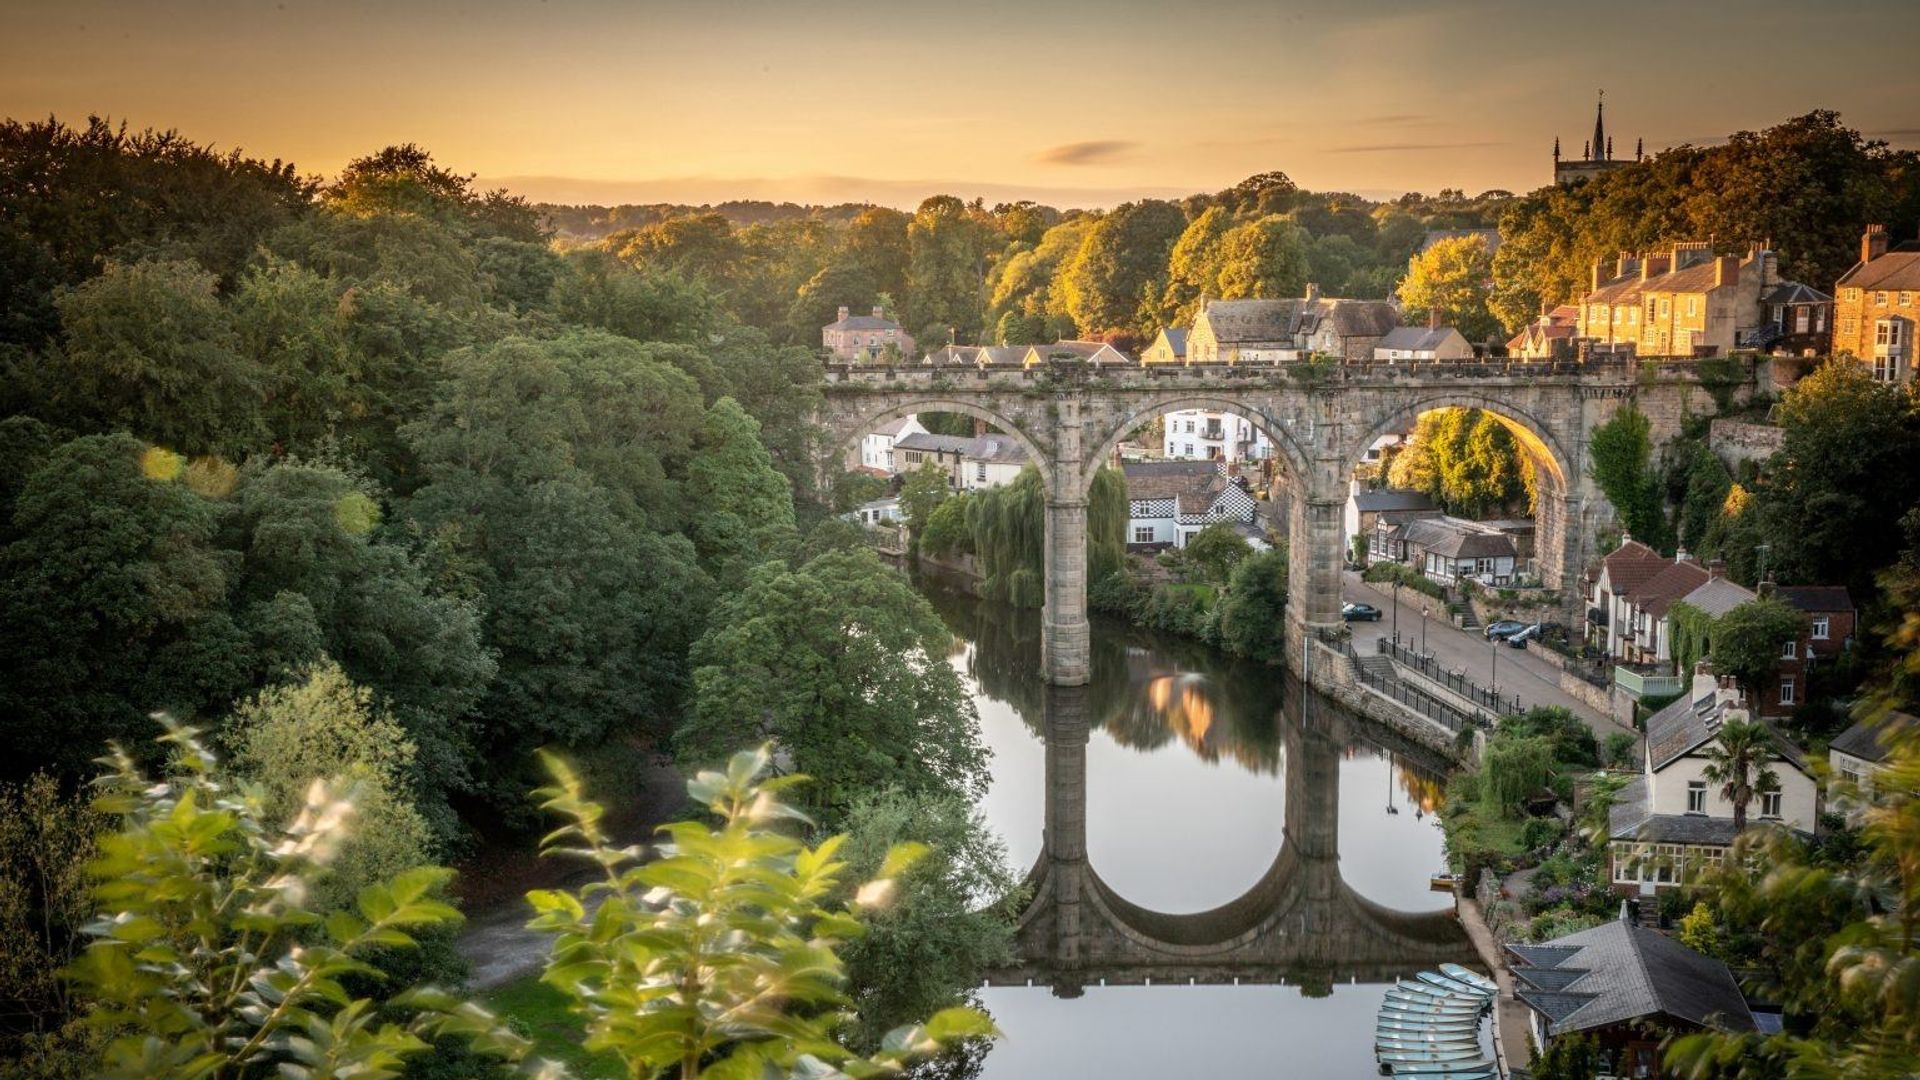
{"type": "Point", "coordinates": [1075, 103]}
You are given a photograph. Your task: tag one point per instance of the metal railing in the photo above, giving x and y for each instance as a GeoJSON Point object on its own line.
{"type": "Point", "coordinates": [1414, 698]}
{"type": "Point", "coordinates": [1643, 684]}
{"type": "Point", "coordinates": [1455, 682]}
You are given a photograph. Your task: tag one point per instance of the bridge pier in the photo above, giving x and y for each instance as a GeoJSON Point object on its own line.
{"type": "Point", "coordinates": [1065, 839]}
{"type": "Point", "coordinates": [1064, 633]}
{"type": "Point", "coordinates": [1314, 562]}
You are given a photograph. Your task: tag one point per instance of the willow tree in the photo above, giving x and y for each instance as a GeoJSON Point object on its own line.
{"type": "Point", "coordinates": [1009, 527]}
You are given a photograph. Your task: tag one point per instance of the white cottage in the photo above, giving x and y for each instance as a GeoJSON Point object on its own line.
{"type": "Point", "coordinates": [1169, 501]}
{"type": "Point", "coordinates": [1672, 818]}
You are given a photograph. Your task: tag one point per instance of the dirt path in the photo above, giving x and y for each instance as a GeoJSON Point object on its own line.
{"type": "Point", "coordinates": [1511, 1023]}
{"type": "Point", "coordinates": [495, 941]}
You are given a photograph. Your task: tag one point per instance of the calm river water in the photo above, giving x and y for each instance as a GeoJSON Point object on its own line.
{"type": "Point", "coordinates": [1186, 767]}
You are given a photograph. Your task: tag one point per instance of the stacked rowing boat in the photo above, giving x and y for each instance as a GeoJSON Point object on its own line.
{"type": "Point", "coordinates": [1430, 1026]}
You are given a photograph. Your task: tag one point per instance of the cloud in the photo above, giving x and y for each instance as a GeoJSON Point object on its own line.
{"type": "Point", "coordinates": [1397, 148]}
{"type": "Point", "coordinates": [823, 189]}
{"type": "Point", "coordinates": [1896, 133]}
{"type": "Point", "coordinates": [1096, 152]}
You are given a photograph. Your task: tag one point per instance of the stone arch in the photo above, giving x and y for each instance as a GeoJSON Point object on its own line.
{"type": "Point", "coordinates": [854, 425]}
{"type": "Point", "coordinates": [1172, 401]}
{"type": "Point", "coordinates": [1538, 439]}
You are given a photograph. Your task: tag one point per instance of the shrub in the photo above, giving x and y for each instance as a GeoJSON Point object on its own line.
{"type": "Point", "coordinates": [1621, 751]}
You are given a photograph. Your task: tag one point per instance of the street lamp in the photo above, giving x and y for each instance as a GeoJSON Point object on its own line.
{"type": "Point", "coordinates": [1424, 609]}
{"type": "Point", "coordinates": [1396, 610]}
{"type": "Point", "coordinates": [1494, 677]}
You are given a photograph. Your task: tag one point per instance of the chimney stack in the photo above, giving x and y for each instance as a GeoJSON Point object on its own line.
{"type": "Point", "coordinates": [1313, 291]}
{"type": "Point", "coordinates": [1433, 319]}
{"type": "Point", "coordinates": [1874, 243]}
{"type": "Point", "coordinates": [843, 312]}
{"type": "Point", "coordinates": [1716, 568]}
{"type": "Point", "coordinates": [1726, 270]}
{"type": "Point", "coordinates": [879, 312]}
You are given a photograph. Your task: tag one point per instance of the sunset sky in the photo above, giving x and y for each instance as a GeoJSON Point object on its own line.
{"type": "Point", "coordinates": [1082, 103]}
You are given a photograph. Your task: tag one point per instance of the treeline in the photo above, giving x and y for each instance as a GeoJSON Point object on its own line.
{"type": "Point", "coordinates": [1022, 273]}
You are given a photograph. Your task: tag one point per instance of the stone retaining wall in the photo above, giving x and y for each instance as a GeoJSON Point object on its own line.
{"type": "Point", "coordinates": [1331, 673]}
{"type": "Point", "coordinates": [1736, 441]}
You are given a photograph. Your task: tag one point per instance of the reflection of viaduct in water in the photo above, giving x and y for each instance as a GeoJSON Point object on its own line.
{"type": "Point", "coordinates": [1300, 923]}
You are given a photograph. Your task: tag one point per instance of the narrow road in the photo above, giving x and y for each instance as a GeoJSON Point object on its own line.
{"type": "Point", "coordinates": [1511, 671]}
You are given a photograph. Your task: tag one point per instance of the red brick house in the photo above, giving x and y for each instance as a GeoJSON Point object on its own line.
{"type": "Point", "coordinates": [1828, 634]}
{"type": "Point", "coordinates": [865, 337]}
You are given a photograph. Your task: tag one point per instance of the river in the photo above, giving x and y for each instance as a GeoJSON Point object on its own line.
{"type": "Point", "coordinates": [1170, 772]}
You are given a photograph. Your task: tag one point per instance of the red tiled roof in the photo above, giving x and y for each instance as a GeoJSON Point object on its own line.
{"type": "Point", "coordinates": [1660, 591]}
{"type": "Point", "coordinates": [1631, 564]}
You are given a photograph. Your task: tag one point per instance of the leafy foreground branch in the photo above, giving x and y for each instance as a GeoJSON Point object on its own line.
{"type": "Point", "coordinates": [209, 959]}
{"type": "Point", "coordinates": [718, 959]}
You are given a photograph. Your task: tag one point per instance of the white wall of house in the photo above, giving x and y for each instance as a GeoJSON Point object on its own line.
{"type": "Point", "coordinates": [1857, 773]}
{"type": "Point", "coordinates": [1799, 795]}
{"type": "Point", "coordinates": [876, 449]}
{"type": "Point", "coordinates": [1186, 437]}
{"type": "Point", "coordinates": [976, 474]}
{"type": "Point", "coordinates": [1153, 530]}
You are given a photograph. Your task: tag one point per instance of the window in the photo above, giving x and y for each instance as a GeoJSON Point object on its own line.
{"type": "Point", "coordinates": [1790, 651]}
{"type": "Point", "coordinates": [1853, 295]}
{"type": "Point", "coordinates": [1666, 306]}
{"type": "Point", "coordinates": [1143, 534]}
{"type": "Point", "coordinates": [1886, 332]}
{"type": "Point", "coordinates": [1886, 368]}
{"type": "Point", "coordinates": [1770, 804]}
{"type": "Point", "coordinates": [1779, 315]}
{"type": "Point", "coordinates": [1696, 796]}
{"type": "Point", "coordinates": [1906, 298]}
{"type": "Point", "coordinates": [980, 471]}
{"type": "Point", "coordinates": [1880, 299]}
{"type": "Point", "coordinates": [1187, 448]}
{"type": "Point", "coordinates": [1822, 626]}
{"type": "Point", "coordinates": [1693, 305]}
{"type": "Point", "coordinates": [1786, 690]}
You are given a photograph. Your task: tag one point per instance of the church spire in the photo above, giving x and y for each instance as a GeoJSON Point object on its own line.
{"type": "Point", "coordinates": [1556, 149]}
{"type": "Point", "coordinates": [1600, 127]}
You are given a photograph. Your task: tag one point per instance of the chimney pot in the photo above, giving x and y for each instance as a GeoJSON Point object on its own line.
{"type": "Point", "coordinates": [843, 311]}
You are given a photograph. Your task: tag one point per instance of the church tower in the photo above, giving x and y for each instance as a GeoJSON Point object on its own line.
{"type": "Point", "coordinates": [1596, 156]}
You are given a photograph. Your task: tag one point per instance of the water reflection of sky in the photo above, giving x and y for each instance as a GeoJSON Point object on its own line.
{"type": "Point", "coordinates": [1185, 811]}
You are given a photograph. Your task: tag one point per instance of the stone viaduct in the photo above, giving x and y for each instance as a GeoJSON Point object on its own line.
{"type": "Point", "coordinates": [1299, 924]}
{"type": "Point", "coordinates": [1321, 417]}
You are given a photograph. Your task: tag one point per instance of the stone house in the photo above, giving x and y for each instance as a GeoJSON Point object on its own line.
{"type": "Point", "coordinates": [1169, 347]}
{"type": "Point", "coordinates": [1671, 818]}
{"type": "Point", "coordinates": [1798, 320]}
{"type": "Point", "coordinates": [913, 452]}
{"type": "Point", "coordinates": [1628, 988]}
{"type": "Point", "coordinates": [1685, 301]}
{"type": "Point", "coordinates": [879, 512]}
{"type": "Point", "coordinates": [1419, 344]}
{"type": "Point", "coordinates": [1278, 331]}
{"type": "Point", "coordinates": [1550, 337]}
{"type": "Point", "coordinates": [1169, 501]}
{"type": "Point", "coordinates": [865, 337]}
{"type": "Point", "coordinates": [1877, 306]}
{"type": "Point", "coordinates": [1096, 353]}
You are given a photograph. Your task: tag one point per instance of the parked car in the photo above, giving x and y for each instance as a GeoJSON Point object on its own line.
{"type": "Point", "coordinates": [1504, 629]}
{"type": "Point", "coordinates": [1519, 640]}
{"type": "Point", "coordinates": [1360, 613]}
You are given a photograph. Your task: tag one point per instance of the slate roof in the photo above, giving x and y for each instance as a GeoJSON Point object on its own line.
{"type": "Point", "coordinates": [1368, 502]}
{"type": "Point", "coordinates": [893, 427]}
{"type": "Point", "coordinates": [1084, 350]}
{"type": "Point", "coordinates": [955, 354]}
{"type": "Point", "coordinates": [944, 444]}
{"type": "Point", "coordinates": [1899, 268]}
{"type": "Point", "coordinates": [1792, 292]}
{"type": "Point", "coordinates": [1176, 338]}
{"type": "Point", "coordinates": [1617, 290]}
{"type": "Point", "coordinates": [1820, 598]}
{"type": "Point", "coordinates": [1697, 278]}
{"type": "Point", "coordinates": [1277, 322]}
{"type": "Point", "coordinates": [1001, 449]}
{"type": "Point", "coordinates": [1690, 722]}
{"type": "Point", "coordinates": [1659, 592]}
{"type": "Point", "coordinates": [1628, 972]}
{"type": "Point", "coordinates": [1719, 596]}
{"type": "Point", "coordinates": [1455, 539]}
{"type": "Point", "coordinates": [1003, 354]}
{"type": "Point", "coordinates": [1868, 740]}
{"type": "Point", "coordinates": [1417, 338]}
{"type": "Point", "coordinates": [1166, 479]}
{"type": "Point", "coordinates": [862, 322]}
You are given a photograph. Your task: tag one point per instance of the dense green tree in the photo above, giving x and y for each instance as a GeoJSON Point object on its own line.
{"type": "Point", "coordinates": [150, 349]}
{"type": "Point", "coordinates": [326, 728]}
{"type": "Point", "coordinates": [1466, 459]}
{"type": "Point", "coordinates": [1621, 454]}
{"type": "Point", "coordinates": [1262, 259]}
{"type": "Point", "coordinates": [1215, 551]}
{"type": "Point", "coordinates": [1121, 267]}
{"type": "Point", "coordinates": [595, 289]}
{"type": "Point", "coordinates": [1849, 464]}
{"type": "Point", "coordinates": [741, 509]}
{"type": "Point", "coordinates": [1746, 641]}
{"type": "Point", "coordinates": [113, 603]}
{"type": "Point", "coordinates": [922, 492]}
{"type": "Point", "coordinates": [1253, 611]}
{"type": "Point", "coordinates": [700, 246]}
{"type": "Point", "coordinates": [403, 181]}
{"type": "Point", "coordinates": [1452, 278]}
{"type": "Point", "coordinates": [46, 841]}
{"type": "Point", "coordinates": [1193, 266]}
{"type": "Point", "coordinates": [947, 248]}
{"type": "Point", "coordinates": [953, 918]}
{"type": "Point", "coordinates": [843, 666]}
